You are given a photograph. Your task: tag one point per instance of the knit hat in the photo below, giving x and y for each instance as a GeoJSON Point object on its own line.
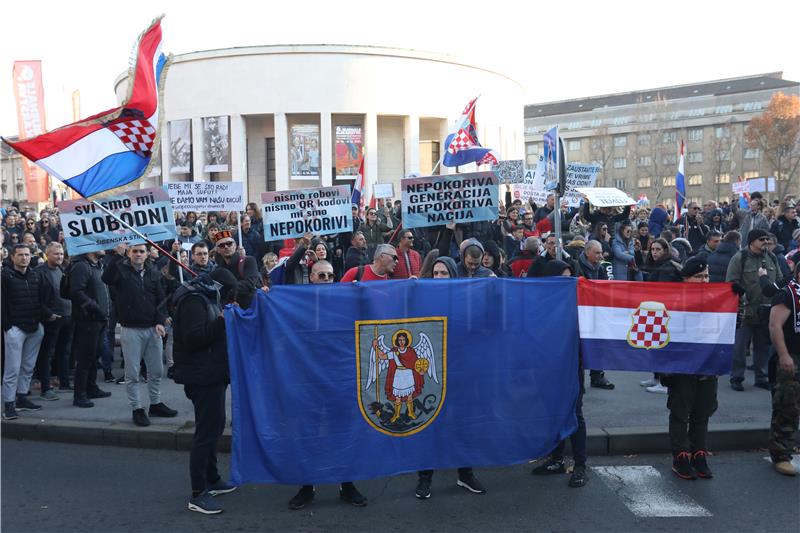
{"type": "Point", "coordinates": [694, 265]}
{"type": "Point", "coordinates": [755, 234]}
{"type": "Point", "coordinates": [222, 235]}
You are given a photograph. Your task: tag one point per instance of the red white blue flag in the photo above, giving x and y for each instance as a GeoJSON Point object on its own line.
{"type": "Point", "coordinates": [462, 146]}
{"type": "Point", "coordinates": [357, 197]}
{"type": "Point", "coordinates": [683, 328]}
{"type": "Point", "coordinates": [115, 147]}
{"type": "Point", "coordinates": [680, 189]}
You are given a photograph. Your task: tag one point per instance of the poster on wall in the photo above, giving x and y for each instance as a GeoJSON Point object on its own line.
{"type": "Point", "coordinates": [348, 151]}
{"type": "Point", "coordinates": [216, 144]}
{"type": "Point", "coordinates": [180, 147]}
{"type": "Point", "coordinates": [304, 152]}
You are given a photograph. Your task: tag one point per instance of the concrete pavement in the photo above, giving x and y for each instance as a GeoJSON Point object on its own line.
{"type": "Point", "coordinates": [623, 421]}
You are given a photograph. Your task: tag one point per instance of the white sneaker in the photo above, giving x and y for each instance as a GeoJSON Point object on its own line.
{"type": "Point", "coordinates": [648, 383]}
{"type": "Point", "coordinates": [657, 389]}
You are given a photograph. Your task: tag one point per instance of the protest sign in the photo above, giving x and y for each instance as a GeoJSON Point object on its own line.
{"type": "Point", "coordinates": [550, 147]}
{"type": "Point", "coordinates": [510, 171]}
{"type": "Point", "coordinates": [741, 187]}
{"type": "Point", "coordinates": [291, 214]}
{"type": "Point", "coordinates": [578, 175]}
{"type": "Point", "coordinates": [606, 196]}
{"type": "Point", "coordinates": [532, 186]}
{"type": "Point", "coordinates": [383, 190]}
{"type": "Point", "coordinates": [206, 196]}
{"type": "Point", "coordinates": [461, 198]}
{"type": "Point", "coordinates": [88, 229]}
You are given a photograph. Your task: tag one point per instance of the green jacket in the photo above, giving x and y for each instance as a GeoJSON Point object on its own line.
{"type": "Point", "coordinates": [745, 273]}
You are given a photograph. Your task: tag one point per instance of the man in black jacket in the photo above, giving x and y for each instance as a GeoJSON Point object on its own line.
{"type": "Point", "coordinates": [784, 226]}
{"type": "Point", "coordinates": [604, 215]}
{"type": "Point", "coordinates": [141, 310]}
{"type": "Point", "coordinates": [201, 366]}
{"type": "Point", "coordinates": [24, 308]}
{"type": "Point", "coordinates": [357, 253]}
{"type": "Point", "coordinates": [719, 260]}
{"type": "Point", "coordinates": [243, 268]}
{"type": "Point", "coordinates": [693, 227]}
{"type": "Point", "coordinates": [91, 304]}
{"type": "Point", "coordinates": [57, 333]}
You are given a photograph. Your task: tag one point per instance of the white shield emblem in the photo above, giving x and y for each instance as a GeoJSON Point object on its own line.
{"type": "Point", "coordinates": [649, 326]}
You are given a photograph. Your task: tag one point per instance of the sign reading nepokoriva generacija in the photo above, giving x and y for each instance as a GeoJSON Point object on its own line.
{"type": "Point", "coordinates": [460, 198]}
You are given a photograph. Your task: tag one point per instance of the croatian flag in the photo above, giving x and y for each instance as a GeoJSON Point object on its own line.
{"type": "Point", "coordinates": [680, 189]}
{"type": "Point", "coordinates": [115, 147]}
{"type": "Point", "coordinates": [358, 189]}
{"type": "Point", "coordinates": [463, 146]}
{"type": "Point", "coordinates": [683, 328]}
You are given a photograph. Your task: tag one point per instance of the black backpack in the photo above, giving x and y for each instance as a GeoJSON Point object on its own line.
{"type": "Point", "coordinates": [207, 291]}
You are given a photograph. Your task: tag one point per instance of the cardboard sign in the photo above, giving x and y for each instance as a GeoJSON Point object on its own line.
{"type": "Point", "coordinates": [532, 185]}
{"type": "Point", "coordinates": [291, 214]}
{"type": "Point", "coordinates": [383, 190]}
{"type": "Point", "coordinates": [579, 175]}
{"type": "Point", "coordinates": [606, 196]}
{"type": "Point", "coordinates": [461, 198]}
{"type": "Point", "coordinates": [510, 171]}
{"type": "Point", "coordinates": [206, 196]}
{"type": "Point", "coordinates": [89, 229]}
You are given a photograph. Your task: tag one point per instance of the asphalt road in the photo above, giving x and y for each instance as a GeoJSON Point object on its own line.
{"type": "Point", "coordinates": [63, 488]}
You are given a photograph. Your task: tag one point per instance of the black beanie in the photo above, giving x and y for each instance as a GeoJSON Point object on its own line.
{"type": "Point", "coordinates": [755, 234]}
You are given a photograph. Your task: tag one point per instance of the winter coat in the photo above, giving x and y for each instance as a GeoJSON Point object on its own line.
{"type": "Point", "coordinates": [199, 361]}
{"type": "Point", "coordinates": [90, 298]}
{"type": "Point", "coordinates": [623, 255]}
{"type": "Point", "coordinates": [719, 260]}
{"type": "Point", "coordinates": [140, 299]}
{"type": "Point", "coordinates": [25, 300]}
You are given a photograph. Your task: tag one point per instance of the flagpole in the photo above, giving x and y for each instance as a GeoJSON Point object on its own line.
{"type": "Point", "coordinates": [137, 233]}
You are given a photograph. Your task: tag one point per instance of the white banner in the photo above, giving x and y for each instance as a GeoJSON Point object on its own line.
{"type": "Point", "coordinates": [383, 190]}
{"type": "Point", "coordinates": [291, 214]}
{"type": "Point", "coordinates": [206, 196]}
{"type": "Point", "coordinates": [578, 175]}
{"type": "Point", "coordinates": [532, 185]}
{"type": "Point", "coordinates": [606, 196]}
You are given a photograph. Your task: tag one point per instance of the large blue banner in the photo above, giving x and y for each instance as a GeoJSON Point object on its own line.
{"type": "Point", "coordinates": [353, 381]}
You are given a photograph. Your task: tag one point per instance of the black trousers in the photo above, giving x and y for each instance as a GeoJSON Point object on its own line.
{"type": "Point", "coordinates": [57, 344]}
{"type": "Point", "coordinates": [691, 402]}
{"type": "Point", "coordinates": [88, 345]}
{"type": "Point", "coordinates": [209, 423]}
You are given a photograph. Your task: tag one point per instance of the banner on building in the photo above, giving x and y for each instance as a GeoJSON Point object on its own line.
{"type": "Point", "coordinates": [29, 94]}
{"type": "Point", "coordinates": [372, 382]}
{"type": "Point", "coordinates": [216, 144]}
{"type": "Point", "coordinates": [89, 229]}
{"type": "Point", "coordinates": [460, 198]}
{"type": "Point", "coordinates": [304, 152]}
{"type": "Point", "coordinates": [206, 196]}
{"type": "Point", "coordinates": [348, 151]}
{"type": "Point", "coordinates": [510, 171]}
{"type": "Point", "coordinates": [292, 214]}
{"type": "Point", "coordinates": [606, 196]}
{"type": "Point", "coordinates": [180, 147]}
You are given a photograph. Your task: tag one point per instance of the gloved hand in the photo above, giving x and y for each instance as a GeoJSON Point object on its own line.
{"type": "Point", "coordinates": [737, 289]}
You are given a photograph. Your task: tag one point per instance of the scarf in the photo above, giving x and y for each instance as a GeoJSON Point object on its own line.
{"type": "Point", "coordinates": [794, 291]}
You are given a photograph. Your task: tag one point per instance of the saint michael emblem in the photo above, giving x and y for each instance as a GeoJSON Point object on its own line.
{"type": "Point", "coordinates": [649, 327]}
{"type": "Point", "coordinates": [401, 367]}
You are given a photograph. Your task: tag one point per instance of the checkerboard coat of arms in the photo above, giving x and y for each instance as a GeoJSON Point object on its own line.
{"type": "Point", "coordinates": [649, 326]}
{"type": "Point", "coordinates": [402, 371]}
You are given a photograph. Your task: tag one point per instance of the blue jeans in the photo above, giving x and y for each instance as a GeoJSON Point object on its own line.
{"type": "Point", "coordinates": [109, 340]}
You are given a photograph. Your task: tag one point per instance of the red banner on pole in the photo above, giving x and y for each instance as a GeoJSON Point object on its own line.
{"type": "Point", "coordinates": [29, 93]}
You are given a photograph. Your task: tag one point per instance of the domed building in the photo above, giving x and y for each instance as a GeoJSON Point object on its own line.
{"type": "Point", "coordinates": [289, 117]}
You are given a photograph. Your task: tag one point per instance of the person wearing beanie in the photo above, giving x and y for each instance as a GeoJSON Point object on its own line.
{"type": "Point", "coordinates": [755, 273]}
{"type": "Point", "coordinates": [692, 399]}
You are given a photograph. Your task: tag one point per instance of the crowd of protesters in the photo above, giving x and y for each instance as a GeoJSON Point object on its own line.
{"type": "Point", "coordinates": [60, 314]}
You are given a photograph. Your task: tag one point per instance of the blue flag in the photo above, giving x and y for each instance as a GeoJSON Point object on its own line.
{"type": "Point", "coordinates": [344, 382]}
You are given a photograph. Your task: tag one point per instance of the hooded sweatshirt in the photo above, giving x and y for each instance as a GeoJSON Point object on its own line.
{"type": "Point", "coordinates": [481, 271]}
{"type": "Point", "coordinates": [450, 263]}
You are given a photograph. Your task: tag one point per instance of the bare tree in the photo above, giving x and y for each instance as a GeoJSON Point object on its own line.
{"type": "Point", "coordinates": [602, 149]}
{"type": "Point", "coordinates": [721, 156]}
{"type": "Point", "coordinates": [656, 145]}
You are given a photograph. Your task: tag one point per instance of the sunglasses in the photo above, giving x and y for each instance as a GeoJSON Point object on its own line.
{"type": "Point", "coordinates": [410, 237]}
{"type": "Point", "coordinates": [394, 257]}
{"type": "Point", "coordinates": [225, 244]}
{"type": "Point", "coordinates": [325, 275]}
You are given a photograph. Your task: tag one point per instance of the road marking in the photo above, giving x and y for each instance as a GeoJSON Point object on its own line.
{"type": "Point", "coordinates": [795, 462]}
{"type": "Point", "coordinates": [646, 492]}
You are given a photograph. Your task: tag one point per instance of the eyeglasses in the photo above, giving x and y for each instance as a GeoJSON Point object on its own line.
{"type": "Point", "coordinates": [325, 275]}
{"type": "Point", "coordinates": [394, 257]}
{"type": "Point", "coordinates": [225, 244]}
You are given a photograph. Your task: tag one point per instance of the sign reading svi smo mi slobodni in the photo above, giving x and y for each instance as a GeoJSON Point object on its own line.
{"type": "Point", "coordinates": [89, 229]}
{"type": "Point", "coordinates": [291, 214]}
{"type": "Point", "coordinates": [461, 198]}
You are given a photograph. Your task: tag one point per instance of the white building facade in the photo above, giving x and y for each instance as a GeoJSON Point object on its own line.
{"type": "Point", "coordinates": [290, 117]}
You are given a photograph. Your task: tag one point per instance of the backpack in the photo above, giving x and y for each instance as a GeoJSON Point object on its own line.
{"type": "Point", "coordinates": [360, 272]}
{"type": "Point", "coordinates": [207, 291]}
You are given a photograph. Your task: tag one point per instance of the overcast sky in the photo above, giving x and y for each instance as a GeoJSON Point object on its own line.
{"type": "Point", "coordinates": [601, 47]}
